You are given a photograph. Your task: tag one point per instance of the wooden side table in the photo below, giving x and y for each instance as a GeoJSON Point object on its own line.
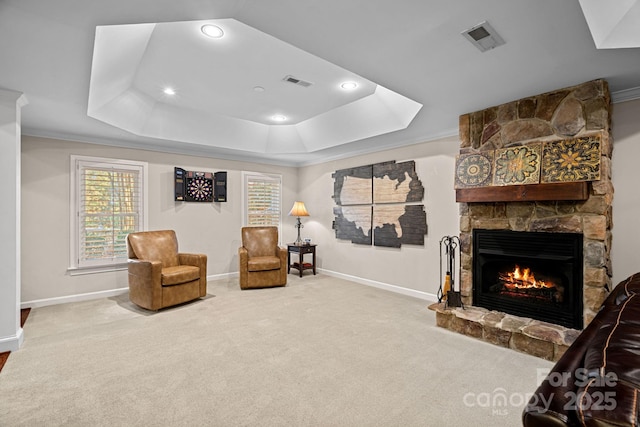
{"type": "Point", "coordinates": [301, 250]}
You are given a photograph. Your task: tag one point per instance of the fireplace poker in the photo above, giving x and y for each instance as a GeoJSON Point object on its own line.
{"type": "Point", "coordinates": [447, 291]}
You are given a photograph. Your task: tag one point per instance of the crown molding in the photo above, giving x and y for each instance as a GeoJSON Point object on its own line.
{"type": "Point", "coordinates": [625, 95]}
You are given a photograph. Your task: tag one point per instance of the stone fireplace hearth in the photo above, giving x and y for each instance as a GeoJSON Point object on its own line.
{"type": "Point", "coordinates": [583, 110]}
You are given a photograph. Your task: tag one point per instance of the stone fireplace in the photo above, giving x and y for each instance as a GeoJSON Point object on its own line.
{"type": "Point", "coordinates": [576, 208]}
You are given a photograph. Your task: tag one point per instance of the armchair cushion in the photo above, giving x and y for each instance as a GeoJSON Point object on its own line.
{"type": "Point", "coordinates": [260, 241]}
{"type": "Point", "coordinates": [159, 246]}
{"type": "Point", "coordinates": [261, 263]}
{"type": "Point", "coordinates": [179, 274]}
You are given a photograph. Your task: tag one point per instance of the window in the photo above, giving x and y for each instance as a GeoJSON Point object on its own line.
{"type": "Point", "coordinates": [108, 202]}
{"type": "Point", "coordinates": [262, 199]}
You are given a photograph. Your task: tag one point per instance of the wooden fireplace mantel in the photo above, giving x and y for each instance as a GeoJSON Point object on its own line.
{"type": "Point", "coordinates": [525, 193]}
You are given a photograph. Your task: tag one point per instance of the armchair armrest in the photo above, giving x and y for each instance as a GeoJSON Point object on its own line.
{"type": "Point", "coordinates": [200, 261]}
{"type": "Point", "coordinates": [145, 282]}
{"type": "Point", "coordinates": [243, 261]}
{"type": "Point", "coordinates": [197, 260]}
{"type": "Point", "coordinates": [149, 270]}
{"type": "Point", "coordinates": [283, 254]}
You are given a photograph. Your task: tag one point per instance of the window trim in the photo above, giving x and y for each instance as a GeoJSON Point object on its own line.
{"type": "Point", "coordinates": [246, 175]}
{"type": "Point", "coordinates": [74, 209]}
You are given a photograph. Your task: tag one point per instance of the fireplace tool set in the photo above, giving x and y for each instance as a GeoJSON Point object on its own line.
{"type": "Point", "coordinates": [449, 245]}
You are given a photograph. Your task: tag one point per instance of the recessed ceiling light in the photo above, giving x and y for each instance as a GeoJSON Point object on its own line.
{"type": "Point", "coordinates": [349, 85]}
{"type": "Point", "coordinates": [258, 89]}
{"type": "Point", "coordinates": [212, 31]}
{"type": "Point", "coordinates": [278, 118]}
{"type": "Point", "coordinates": [169, 91]}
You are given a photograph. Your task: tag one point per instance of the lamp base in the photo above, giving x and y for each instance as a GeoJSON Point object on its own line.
{"type": "Point", "coordinates": [299, 225]}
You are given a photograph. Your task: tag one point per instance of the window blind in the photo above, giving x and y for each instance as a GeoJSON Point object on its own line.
{"type": "Point", "coordinates": [109, 207]}
{"type": "Point", "coordinates": [263, 200]}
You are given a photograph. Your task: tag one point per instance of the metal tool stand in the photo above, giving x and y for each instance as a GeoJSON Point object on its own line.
{"type": "Point", "coordinates": [449, 247]}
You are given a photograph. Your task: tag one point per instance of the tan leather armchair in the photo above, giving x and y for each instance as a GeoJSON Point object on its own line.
{"type": "Point", "coordinates": [159, 276]}
{"type": "Point", "coordinates": [262, 262]}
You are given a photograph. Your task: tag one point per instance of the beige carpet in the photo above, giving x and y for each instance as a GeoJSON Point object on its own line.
{"type": "Point", "coordinates": [319, 352]}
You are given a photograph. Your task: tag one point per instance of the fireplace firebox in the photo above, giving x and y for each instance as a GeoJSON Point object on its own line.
{"type": "Point", "coordinates": [529, 274]}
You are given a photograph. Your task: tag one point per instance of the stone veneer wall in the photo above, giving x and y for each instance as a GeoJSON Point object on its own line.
{"type": "Point", "coordinates": [576, 111]}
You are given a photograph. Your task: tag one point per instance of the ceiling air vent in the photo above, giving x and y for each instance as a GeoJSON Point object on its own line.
{"type": "Point", "coordinates": [298, 82]}
{"type": "Point", "coordinates": [483, 36]}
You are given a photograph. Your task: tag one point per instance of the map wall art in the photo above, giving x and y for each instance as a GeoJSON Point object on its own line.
{"type": "Point", "coordinates": [375, 205]}
{"type": "Point", "coordinates": [396, 183]}
{"type": "Point", "coordinates": [353, 223]}
{"type": "Point", "coordinates": [353, 186]}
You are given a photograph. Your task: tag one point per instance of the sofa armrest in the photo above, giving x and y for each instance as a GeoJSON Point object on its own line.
{"type": "Point", "coordinates": [610, 397]}
{"type": "Point", "coordinates": [552, 402]}
{"type": "Point", "coordinates": [595, 382]}
{"type": "Point", "coordinates": [626, 288]}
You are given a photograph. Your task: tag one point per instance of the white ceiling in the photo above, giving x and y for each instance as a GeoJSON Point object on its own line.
{"type": "Point", "coordinates": [213, 82]}
{"type": "Point", "coordinates": [412, 48]}
{"type": "Point", "coordinates": [613, 24]}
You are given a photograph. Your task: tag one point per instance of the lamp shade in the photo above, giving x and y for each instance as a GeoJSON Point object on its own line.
{"type": "Point", "coordinates": [298, 209]}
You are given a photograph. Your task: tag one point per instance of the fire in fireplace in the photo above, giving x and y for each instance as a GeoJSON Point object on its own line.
{"type": "Point", "coordinates": [523, 283]}
{"type": "Point", "coordinates": [536, 275]}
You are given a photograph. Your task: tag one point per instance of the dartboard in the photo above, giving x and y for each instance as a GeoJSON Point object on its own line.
{"type": "Point", "coordinates": [200, 189]}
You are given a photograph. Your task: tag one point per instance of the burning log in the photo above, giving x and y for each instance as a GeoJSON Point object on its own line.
{"type": "Point", "coordinates": [523, 283]}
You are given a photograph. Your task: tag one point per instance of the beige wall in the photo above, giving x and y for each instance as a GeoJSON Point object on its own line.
{"type": "Point", "coordinates": [625, 252]}
{"type": "Point", "coordinates": [210, 228]}
{"type": "Point", "coordinates": [214, 228]}
{"type": "Point", "coordinates": [410, 267]}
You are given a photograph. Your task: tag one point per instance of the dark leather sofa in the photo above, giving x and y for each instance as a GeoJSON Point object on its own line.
{"type": "Point", "coordinates": [597, 381]}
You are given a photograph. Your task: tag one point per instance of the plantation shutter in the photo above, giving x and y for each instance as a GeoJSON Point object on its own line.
{"type": "Point", "coordinates": [263, 200]}
{"type": "Point", "coordinates": [109, 207]}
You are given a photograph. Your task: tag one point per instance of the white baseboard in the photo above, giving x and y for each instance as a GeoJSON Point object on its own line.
{"type": "Point", "coordinates": [223, 276]}
{"type": "Point", "coordinates": [114, 292]}
{"type": "Point", "coordinates": [380, 285]}
{"type": "Point", "coordinates": [100, 294]}
{"type": "Point", "coordinates": [13, 342]}
{"type": "Point", "coordinates": [73, 298]}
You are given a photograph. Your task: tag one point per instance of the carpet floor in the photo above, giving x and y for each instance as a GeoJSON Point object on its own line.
{"type": "Point", "coordinates": [321, 351]}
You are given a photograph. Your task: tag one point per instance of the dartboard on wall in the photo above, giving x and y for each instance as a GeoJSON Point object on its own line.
{"type": "Point", "coordinates": [193, 186]}
{"type": "Point", "coordinates": [200, 186]}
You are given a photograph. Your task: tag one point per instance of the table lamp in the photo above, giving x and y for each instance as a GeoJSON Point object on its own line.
{"type": "Point", "coordinates": [298, 210]}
